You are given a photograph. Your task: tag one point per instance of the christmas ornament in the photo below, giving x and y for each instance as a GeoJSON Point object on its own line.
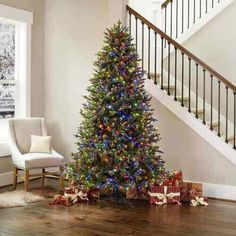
{"type": "Point", "coordinates": [117, 139]}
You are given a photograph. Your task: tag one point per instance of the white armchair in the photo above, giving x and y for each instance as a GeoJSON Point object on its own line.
{"type": "Point", "coordinates": [20, 135]}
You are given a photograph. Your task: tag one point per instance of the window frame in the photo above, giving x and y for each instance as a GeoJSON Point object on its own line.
{"type": "Point", "coordinates": [23, 21]}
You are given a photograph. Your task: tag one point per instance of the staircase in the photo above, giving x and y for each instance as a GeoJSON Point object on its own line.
{"type": "Point", "coordinates": [183, 18]}
{"type": "Point", "coordinates": [197, 94]}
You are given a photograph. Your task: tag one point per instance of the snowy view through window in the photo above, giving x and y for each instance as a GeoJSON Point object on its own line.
{"type": "Point", "coordinates": [7, 70]}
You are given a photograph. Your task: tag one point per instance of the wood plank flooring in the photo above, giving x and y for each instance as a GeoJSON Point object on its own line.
{"type": "Point", "coordinates": [106, 218]}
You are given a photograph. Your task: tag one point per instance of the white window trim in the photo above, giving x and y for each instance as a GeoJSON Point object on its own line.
{"type": "Point", "coordinates": [23, 21]}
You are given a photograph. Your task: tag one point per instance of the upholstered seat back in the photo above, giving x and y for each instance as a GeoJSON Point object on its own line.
{"type": "Point", "coordinates": [22, 129]}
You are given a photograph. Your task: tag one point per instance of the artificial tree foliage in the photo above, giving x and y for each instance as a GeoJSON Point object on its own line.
{"type": "Point", "coordinates": [117, 140]}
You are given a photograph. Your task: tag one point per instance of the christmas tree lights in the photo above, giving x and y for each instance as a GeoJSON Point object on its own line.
{"type": "Point", "coordinates": [117, 140]}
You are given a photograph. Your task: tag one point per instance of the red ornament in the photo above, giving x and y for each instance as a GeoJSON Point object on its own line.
{"type": "Point", "coordinates": [122, 46]}
{"type": "Point", "coordinates": [174, 180]}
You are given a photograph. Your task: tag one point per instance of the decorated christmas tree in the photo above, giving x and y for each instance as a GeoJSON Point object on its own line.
{"type": "Point", "coordinates": [117, 140]}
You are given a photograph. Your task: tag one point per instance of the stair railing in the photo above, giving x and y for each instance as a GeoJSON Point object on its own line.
{"type": "Point", "coordinates": [180, 15]}
{"type": "Point", "coordinates": [193, 72]}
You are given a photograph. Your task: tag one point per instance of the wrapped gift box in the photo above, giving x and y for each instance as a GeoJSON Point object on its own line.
{"type": "Point", "coordinates": [78, 196]}
{"type": "Point", "coordinates": [132, 193]}
{"type": "Point", "coordinates": [60, 200]}
{"type": "Point", "coordinates": [106, 191]}
{"type": "Point", "coordinates": [164, 194]}
{"type": "Point", "coordinates": [93, 194]}
{"type": "Point", "coordinates": [190, 190]}
{"type": "Point", "coordinates": [70, 190]}
{"type": "Point", "coordinates": [74, 194]}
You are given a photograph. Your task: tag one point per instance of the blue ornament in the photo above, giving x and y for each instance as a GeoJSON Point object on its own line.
{"type": "Point", "coordinates": [106, 143]}
{"type": "Point", "coordinates": [103, 65]}
{"type": "Point", "coordinates": [88, 177]}
{"type": "Point", "coordinates": [109, 106]}
{"type": "Point", "coordinates": [112, 54]}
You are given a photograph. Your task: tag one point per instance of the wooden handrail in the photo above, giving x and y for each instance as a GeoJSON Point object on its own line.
{"type": "Point", "coordinates": [182, 49]}
{"type": "Point", "coordinates": [164, 4]}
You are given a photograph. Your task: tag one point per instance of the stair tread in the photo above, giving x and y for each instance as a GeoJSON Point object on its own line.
{"type": "Point", "coordinates": [179, 98]}
{"type": "Point", "coordinates": [171, 86]}
{"type": "Point", "coordinates": [194, 110]}
{"type": "Point", "coordinates": [153, 74]}
{"type": "Point", "coordinates": [231, 138]}
{"type": "Point", "coordinates": [199, 110]}
{"type": "Point", "coordinates": [214, 123]}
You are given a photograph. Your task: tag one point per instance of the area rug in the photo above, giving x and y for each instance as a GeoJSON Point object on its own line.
{"type": "Point", "coordinates": [18, 199]}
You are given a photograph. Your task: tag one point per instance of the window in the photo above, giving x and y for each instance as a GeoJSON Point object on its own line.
{"type": "Point", "coordinates": [7, 70]}
{"type": "Point", "coordinates": [15, 68]}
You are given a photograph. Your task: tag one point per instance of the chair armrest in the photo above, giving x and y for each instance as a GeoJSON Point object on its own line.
{"type": "Point", "coordinates": [15, 153]}
{"type": "Point", "coordinates": [58, 155]}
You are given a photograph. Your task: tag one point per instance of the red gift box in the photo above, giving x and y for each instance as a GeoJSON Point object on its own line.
{"type": "Point", "coordinates": [60, 200]}
{"type": "Point", "coordinates": [189, 191]}
{"type": "Point", "coordinates": [93, 194]}
{"type": "Point", "coordinates": [132, 193]}
{"type": "Point", "coordinates": [164, 194]}
{"type": "Point", "coordinates": [70, 190]}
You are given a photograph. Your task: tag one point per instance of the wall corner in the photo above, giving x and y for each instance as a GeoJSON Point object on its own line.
{"type": "Point", "coordinates": [116, 11]}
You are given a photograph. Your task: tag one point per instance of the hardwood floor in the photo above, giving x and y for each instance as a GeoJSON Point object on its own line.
{"type": "Point", "coordinates": [104, 218]}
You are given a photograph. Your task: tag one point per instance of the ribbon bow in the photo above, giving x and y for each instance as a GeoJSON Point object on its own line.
{"type": "Point", "coordinates": [198, 201]}
{"type": "Point", "coordinates": [189, 191]}
{"type": "Point", "coordinates": [77, 195]}
{"type": "Point", "coordinates": [163, 197]}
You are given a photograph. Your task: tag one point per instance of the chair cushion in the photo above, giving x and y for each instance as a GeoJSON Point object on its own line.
{"type": "Point", "coordinates": [23, 129]}
{"type": "Point", "coordinates": [40, 160]}
{"type": "Point", "coordinates": [40, 144]}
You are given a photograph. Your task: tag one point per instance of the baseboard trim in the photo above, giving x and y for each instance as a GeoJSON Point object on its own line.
{"type": "Point", "coordinates": [224, 192]}
{"type": "Point", "coordinates": [218, 191]}
{"type": "Point", "coordinates": [7, 179]}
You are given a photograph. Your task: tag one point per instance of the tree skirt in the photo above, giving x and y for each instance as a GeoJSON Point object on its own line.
{"type": "Point", "coordinates": [18, 199]}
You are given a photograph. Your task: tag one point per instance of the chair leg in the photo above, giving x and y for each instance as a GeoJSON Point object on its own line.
{"type": "Point", "coordinates": [15, 175]}
{"type": "Point", "coordinates": [43, 177]}
{"type": "Point", "coordinates": [61, 179]}
{"type": "Point", "coordinates": [26, 177]}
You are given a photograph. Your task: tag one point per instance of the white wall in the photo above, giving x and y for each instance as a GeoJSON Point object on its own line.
{"type": "Point", "coordinates": [145, 8]}
{"type": "Point", "coordinates": [187, 151]}
{"type": "Point", "coordinates": [37, 71]}
{"type": "Point", "coordinates": [73, 35]}
{"type": "Point", "coordinates": [116, 11]}
{"type": "Point", "coordinates": [215, 43]}
{"type": "Point", "coordinates": [37, 66]}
